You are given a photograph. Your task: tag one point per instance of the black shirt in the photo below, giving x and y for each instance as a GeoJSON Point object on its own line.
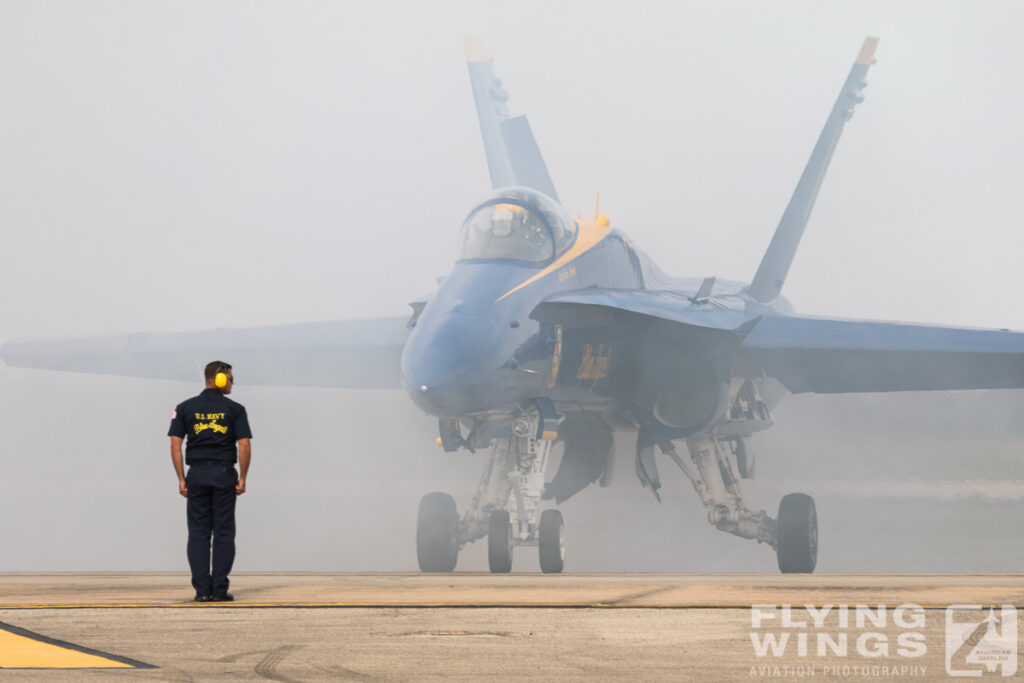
{"type": "Point", "coordinates": [211, 423]}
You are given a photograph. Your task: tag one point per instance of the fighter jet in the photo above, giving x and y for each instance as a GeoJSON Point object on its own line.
{"type": "Point", "coordinates": [551, 329]}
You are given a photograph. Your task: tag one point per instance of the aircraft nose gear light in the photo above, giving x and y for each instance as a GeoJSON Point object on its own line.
{"type": "Point", "coordinates": [521, 426]}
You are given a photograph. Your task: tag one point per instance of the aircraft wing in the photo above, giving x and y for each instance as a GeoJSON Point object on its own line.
{"type": "Point", "coordinates": [823, 355]}
{"type": "Point", "coordinates": [828, 356]}
{"type": "Point", "coordinates": [674, 306]}
{"type": "Point", "coordinates": [363, 354]}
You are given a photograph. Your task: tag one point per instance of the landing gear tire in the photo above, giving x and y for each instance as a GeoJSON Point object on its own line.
{"type": "Point", "coordinates": [797, 541]}
{"type": "Point", "coordinates": [499, 542]}
{"type": "Point", "coordinates": [436, 526]}
{"type": "Point", "coordinates": [551, 542]}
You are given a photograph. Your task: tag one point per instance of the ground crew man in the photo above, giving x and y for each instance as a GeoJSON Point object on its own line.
{"type": "Point", "coordinates": [212, 424]}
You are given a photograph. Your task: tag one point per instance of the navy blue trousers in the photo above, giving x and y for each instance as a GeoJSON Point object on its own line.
{"type": "Point", "coordinates": [211, 513]}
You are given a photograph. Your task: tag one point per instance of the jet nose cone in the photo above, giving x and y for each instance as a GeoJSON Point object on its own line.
{"type": "Point", "coordinates": [446, 366]}
{"type": "Point", "coordinates": [441, 400]}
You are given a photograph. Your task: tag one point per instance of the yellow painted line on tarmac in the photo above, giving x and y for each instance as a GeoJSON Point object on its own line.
{"type": "Point", "coordinates": [611, 604]}
{"type": "Point", "coordinates": [21, 649]}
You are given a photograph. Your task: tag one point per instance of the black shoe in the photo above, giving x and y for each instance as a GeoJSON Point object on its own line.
{"type": "Point", "coordinates": [227, 597]}
{"type": "Point", "coordinates": [203, 598]}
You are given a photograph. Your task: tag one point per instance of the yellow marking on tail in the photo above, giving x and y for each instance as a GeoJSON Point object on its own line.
{"type": "Point", "coordinates": [475, 51]}
{"type": "Point", "coordinates": [867, 51]}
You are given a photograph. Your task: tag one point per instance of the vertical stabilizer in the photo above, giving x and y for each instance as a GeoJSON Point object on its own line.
{"type": "Point", "coordinates": [771, 274]}
{"type": "Point", "coordinates": [513, 157]}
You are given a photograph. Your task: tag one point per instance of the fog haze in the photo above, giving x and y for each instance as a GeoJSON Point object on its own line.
{"type": "Point", "coordinates": [184, 166]}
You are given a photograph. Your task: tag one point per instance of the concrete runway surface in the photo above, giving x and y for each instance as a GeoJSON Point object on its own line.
{"type": "Point", "coordinates": [319, 627]}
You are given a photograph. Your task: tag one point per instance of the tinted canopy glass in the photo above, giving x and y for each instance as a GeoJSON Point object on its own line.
{"type": "Point", "coordinates": [519, 224]}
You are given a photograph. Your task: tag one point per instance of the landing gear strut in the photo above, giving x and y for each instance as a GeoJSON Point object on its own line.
{"type": "Point", "coordinates": [723, 468]}
{"type": "Point", "coordinates": [505, 509]}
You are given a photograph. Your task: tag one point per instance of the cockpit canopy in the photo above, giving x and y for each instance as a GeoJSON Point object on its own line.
{"type": "Point", "coordinates": [516, 223]}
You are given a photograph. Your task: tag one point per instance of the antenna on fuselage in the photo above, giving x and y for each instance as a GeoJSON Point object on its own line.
{"type": "Point", "coordinates": [599, 220]}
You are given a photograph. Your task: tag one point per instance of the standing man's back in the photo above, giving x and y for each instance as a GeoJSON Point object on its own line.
{"type": "Point", "coordinates": [212, 424]}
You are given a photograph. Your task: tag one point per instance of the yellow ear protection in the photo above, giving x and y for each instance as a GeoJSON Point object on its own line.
{"type": "Point", "coordinates": [221, 380]}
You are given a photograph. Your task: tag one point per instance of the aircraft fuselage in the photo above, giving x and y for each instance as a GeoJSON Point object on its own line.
{"type": "Point", "coordinates": [479, 347]}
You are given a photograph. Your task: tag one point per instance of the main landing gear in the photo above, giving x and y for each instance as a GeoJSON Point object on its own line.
{"type": "Point", "coordinates": [796, 543]}
{"type": "Point", "coordinates": [505, 509]}
{"type": "Point", "coordinates": [437, 548]}
{"type": "Point", "coordinates": [723, 469]}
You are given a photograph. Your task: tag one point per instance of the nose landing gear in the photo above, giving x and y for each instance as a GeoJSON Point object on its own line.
{"type": "Point", "coordinates": [551, 542]}
{"type": "Point", "coordinates": [499, 542]}
{"type": "Point", "coordinates": [506, 507]}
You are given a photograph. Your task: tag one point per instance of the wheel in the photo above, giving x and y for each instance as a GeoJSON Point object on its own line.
{"type": "Point", "coordinates": [797, 541]}
{"type": "Point", "coordinates": [499, 542]}
{"type": "Point", "coordinates": [436, 526]}
{"type": "Point", "coordinates": [551, 542]}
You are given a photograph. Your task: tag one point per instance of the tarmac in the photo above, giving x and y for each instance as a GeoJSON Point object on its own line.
{"type": "Point", "coordinates": [321, 627]}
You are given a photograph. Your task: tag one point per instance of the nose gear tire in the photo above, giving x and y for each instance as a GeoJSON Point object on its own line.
{"type": "Point", "coordinates": [499, 542]}
{"type": "Point", "coordinates": [551, 542]}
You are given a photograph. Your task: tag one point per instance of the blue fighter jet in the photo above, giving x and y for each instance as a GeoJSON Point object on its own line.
{"type": "Point", "coordinates": [552, 329]}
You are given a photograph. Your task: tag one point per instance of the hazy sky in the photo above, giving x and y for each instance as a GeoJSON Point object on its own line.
{"type": "Point", "coordinates": [185, 165]}
{"type": "Point", "coordinates": [188, 165]}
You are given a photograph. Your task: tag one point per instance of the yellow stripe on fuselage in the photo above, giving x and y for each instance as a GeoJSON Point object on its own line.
{"type": "Point", "coordinates": [590, 235]}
